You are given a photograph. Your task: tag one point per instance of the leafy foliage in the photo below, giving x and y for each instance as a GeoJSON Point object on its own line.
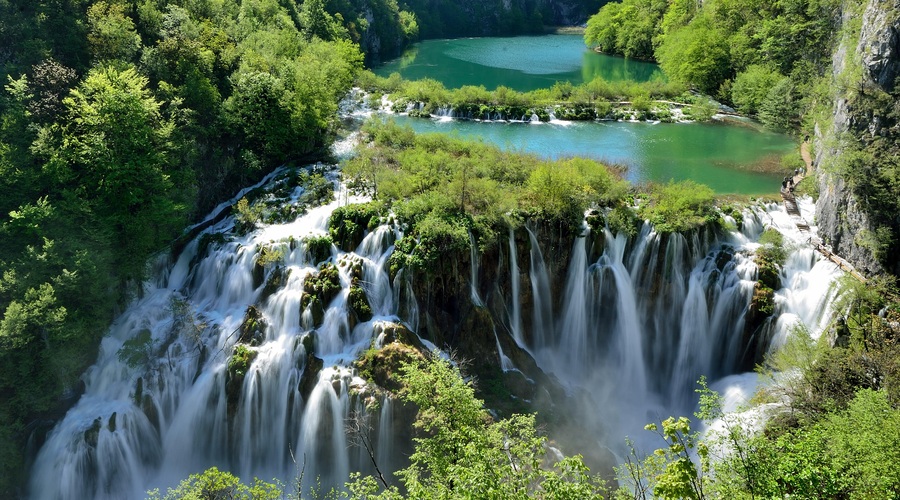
{"type": "Point", "coordinates": [679, 206]}
{"type": "Point", "coordinates": [213, 484]}
{"type": "Point", "coordinates": [738, 52]}
{"type": "Point", "coordinates": [461, 451]}
{"type": "Point", "coordinates": [597, 99]}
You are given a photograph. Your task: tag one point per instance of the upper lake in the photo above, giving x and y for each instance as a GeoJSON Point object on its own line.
{"type": "Point", "coordinates": [729, 158]}
{"type": "Point", "coordinates": [521, 63]}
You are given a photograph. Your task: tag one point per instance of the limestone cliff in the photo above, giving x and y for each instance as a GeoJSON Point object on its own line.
{"type": "Point", "coordinates": [857, 148]}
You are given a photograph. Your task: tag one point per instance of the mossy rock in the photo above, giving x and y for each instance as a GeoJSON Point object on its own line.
{"type": "Point", "coordinates": [238, 366]}
{"type": "Point", "coordinates": [359, 304]}
{"type": "Point", "coordinates": [382, 366]}
{"type": "Point", "coordinates": [398, 333]}
{"type": "Point", "coordinates": [318, 248]}
{"type": "Point", "coordinates": [348, 224]}
{"type": "Point", "coordinates": [253, 329]}
{"type": "Point", "coordinates": [276, 280]}
{"type": "Point", "coordinates": [323, 285]}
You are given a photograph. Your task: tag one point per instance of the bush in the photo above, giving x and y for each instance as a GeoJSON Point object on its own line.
{"type": "Point", "coordinates": [751, 87]}
{"type": "Point", "coordinates": [679, 206]}
{"type": "Point", "coordinates": [348, 224]}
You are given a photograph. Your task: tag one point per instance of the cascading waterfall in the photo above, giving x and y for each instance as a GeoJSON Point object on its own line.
{"type": "Point", "coordinates": [654, 313]}
{"type": "Point", "coordinates": [473, 276]}
{"type": "Point", "coordinates": [542, 309]}
{"type": "Point", "coordinates": [639, 318]}
{"type": "Point", "coordinates": [181, 409]}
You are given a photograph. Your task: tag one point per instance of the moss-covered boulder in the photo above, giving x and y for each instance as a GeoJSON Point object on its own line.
{"type": "Point", "coordinates": [238, 366]}
{"type": "Point", "coordinates": [323, 285]}
{"type": "Point", "coordinates": [318, 248]}
{"type": "Point", "coordinates": [275, 281]}
{"type": "Point", "coordinates": [359, 304]}
{"type": "Point", "coordinates": [382, 366]}
{"type": "Point", "coordinates": [348, 224]}
{"type": "Point", "coordinates": [253, 328]}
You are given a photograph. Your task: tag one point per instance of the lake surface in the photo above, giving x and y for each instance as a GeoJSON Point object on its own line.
{"type": "Point", "coordinates": [719, 155]}
{"type": "Point", "coordinates": [521, 63]}
{"type": "Point", "coordinates": [716, 154]}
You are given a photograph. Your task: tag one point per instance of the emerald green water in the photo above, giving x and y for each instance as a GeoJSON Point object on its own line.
{"type": "Point", "coordinates": [521, 63]}
{"type": "Point", "coordinates": [714, 154]}
{"type": "Point", "coordinates": [724, 157]}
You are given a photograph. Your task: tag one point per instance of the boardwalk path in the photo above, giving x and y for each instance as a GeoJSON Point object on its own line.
{"type": "Point", "coordinates": [790, 205]}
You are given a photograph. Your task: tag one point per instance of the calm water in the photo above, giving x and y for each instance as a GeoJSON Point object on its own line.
{"type": "Point", "coordinates": [521, 63]}
{"type": "Point", "coordinates": [714, 154]}
{"type": "Point", "coordinates": [718, 155]}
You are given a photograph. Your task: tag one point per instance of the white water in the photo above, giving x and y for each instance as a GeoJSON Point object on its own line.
{"type": "Point", "coordinates": [182, 422]}
{"type": "Point", "coordinates": [515, 320]}
{"type": "Point", "coordinates": [635, 327]}
{"type": "Point", "coordinates": [642, 323]}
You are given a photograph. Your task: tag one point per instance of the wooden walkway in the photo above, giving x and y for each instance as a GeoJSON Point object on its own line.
{"type": "Point", "coordinates": [790, 206]}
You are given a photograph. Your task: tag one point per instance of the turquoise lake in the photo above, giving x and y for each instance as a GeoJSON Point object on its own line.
{"type": "Point", "coordinates": [521, 63]}
{"type": "Point", "coordinates": [725, 156]}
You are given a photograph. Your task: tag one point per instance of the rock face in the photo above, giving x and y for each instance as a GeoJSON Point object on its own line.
{"type": "Point", "coordinates": [879, 42]}
{"type": "Point", "coordinates": [843, 214]}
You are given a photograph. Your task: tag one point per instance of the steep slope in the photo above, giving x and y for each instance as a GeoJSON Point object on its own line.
{"type": "Point", "coordinates": [857, 149]}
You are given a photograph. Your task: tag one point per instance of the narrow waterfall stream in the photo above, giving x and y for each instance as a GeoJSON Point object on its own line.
{"type": "Point", "coordinates": [639, 320]}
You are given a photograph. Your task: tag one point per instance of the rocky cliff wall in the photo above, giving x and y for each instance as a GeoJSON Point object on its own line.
{"type": "Point", "coordinates": [855, 213]}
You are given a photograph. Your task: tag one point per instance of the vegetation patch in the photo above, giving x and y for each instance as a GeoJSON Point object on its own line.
{"type": "Point", "coordinates": [444, 189]}
{"type": "Point", "coordinates": [597, 99]}
{"type": "Point", "coordinates": [347, 224]}
{"type": "Point", "coordinates": [679, 206]}
{"type": "Point", "coordinates": [321, 287]}
{"type": "Point", "coordinates": [318, 248]}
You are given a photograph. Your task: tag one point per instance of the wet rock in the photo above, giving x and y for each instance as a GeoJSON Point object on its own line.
{"type": "Point", "coordinates": [92, 434]}
{"type": "Point", "coordinates": [253, 329]}
{"type": "Point", "coordinates": [312, 366]}
{"type": "Point", "coordinates": [276, 280]}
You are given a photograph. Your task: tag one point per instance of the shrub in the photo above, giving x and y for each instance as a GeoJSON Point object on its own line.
{"type": "Point", "coordinates": [679, 206]}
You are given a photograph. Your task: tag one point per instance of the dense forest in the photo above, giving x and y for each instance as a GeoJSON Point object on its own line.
{"type": "Point", "coordinates": [123, 122]}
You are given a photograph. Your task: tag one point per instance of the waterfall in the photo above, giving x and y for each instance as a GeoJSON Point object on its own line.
{"type": "Point", "coordinates": [515, 320]}
{"type": "Point", "coordinates": [181, 408]}
{"type": "Point", "coordinates": [473, 254]}
{"type": "Point", "coordinates": [384, 452]}
{"type": "Point", "coordinates": [542, 308]}
{"type": "Point", "coordinates": [573, 336]}
{"type": "Point", "coordinates": [636, 322]}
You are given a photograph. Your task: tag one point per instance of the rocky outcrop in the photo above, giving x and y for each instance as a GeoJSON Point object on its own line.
{"type": "Point", "coordinates": [879, 42]}
{"type": "Point", "coordinates": [848, 214]}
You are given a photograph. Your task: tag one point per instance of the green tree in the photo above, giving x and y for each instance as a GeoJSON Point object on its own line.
{"type": "Point", "coordinates": [114, 150]}
{"type": "Point", "coordinates": [213, 484]}
{"type": "Point", "coordinates": [462, 452]}
{"type": "Point", "coordinates": [112, 34]}
{"type": "Point", "coordinates": [679, 206]}
{"type": "Point", "coordinates": [752, 86]}
{"type": "Point", "coordinates": [696, 54]}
